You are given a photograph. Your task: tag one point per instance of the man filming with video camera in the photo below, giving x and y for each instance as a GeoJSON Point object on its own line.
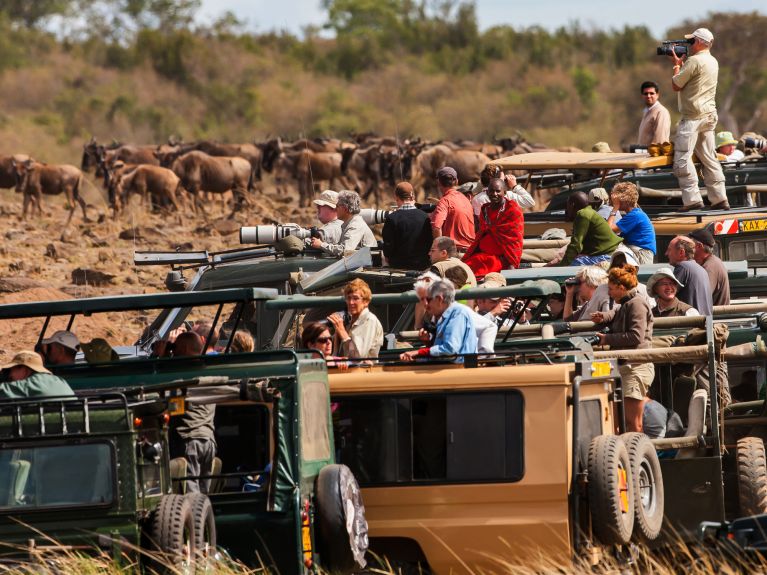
{"type": "Point", "coordinates": [695, 79]}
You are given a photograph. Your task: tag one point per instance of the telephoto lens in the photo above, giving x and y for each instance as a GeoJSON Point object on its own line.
{"type": "Point", "coordinates": [757, 143]}
{"type": "Point", "coordinates": [271, 233]}
{"type": "Point", "coordinates": [373, 216]}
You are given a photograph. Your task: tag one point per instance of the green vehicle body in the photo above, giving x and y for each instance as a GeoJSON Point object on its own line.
{"type": "Point", "coordinates": [281, 399]}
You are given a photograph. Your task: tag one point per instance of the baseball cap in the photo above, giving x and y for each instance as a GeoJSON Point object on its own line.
{"type": "Point", "coordinates": [447, 172]}
{"type": "Point", "coordinates": [327, 198]}
{"type": "Point", "coordinates": [65, 338]}
{"type": "Point", "coordinates": [724, 139]}
{"type": "Point", "coordinates": [701, 33]}
{"type": "Point", "coordinates": [703, 236]}
{"type": "Point", "coordinates": [664, 272]}
{"type": "Point", "coordinates": [30, 359]}
{"type": "Point", "coordinates": [598, 195]}
{"type": "Point", "coordinates": [493, 280]}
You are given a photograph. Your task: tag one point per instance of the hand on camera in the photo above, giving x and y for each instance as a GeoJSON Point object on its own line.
{"type": "Point", "coordinates": [316, 243]}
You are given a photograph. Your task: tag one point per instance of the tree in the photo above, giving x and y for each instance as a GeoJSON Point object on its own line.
{"type": "Point", "coordinates": [33, 13]}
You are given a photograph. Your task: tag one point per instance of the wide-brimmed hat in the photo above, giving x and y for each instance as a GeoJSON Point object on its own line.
{"type": "Point", "coordinates": [554, 234]}
{"type": "Point", "coordinates": [65, 338]}
{"type": "Point", "coordinates": [98, 350]}
{"type": "Point", "coordinates": [327, 198]}
{"type": "Point", "coordinates": [602, 147]}
{"type": "Point", "coordinates": [625, 253]}
{"type": "Point", "coordinates": [724, 139]}
{"type": "Point", "coordinates": [30, 359]}
{"type": "Point", "coordinates": [659, 275]}
{"type": "Point", "coordinates": [701, 33]}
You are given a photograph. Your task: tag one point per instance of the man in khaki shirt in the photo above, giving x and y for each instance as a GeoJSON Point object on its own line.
{"type": "Point", "coordinates": [695, 79]}
{"type": "Point", "coordinates": [656, 121]}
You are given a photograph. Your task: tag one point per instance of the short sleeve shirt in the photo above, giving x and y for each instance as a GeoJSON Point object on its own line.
{"type": "Point", "coordinates": [637, 230]}
{"type": "Point", "coordinates": [697, 79]}
{"type": "Point", "coordinates": [455, 216]}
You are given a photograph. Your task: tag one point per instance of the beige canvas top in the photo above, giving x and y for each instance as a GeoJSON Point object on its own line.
{"type": "Point", "coordinates": [582, 160]}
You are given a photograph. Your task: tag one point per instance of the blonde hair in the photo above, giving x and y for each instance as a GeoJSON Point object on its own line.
{"type": "Point", "coordinates": [358, 285]}
{"type": "Point", "coordinates": [592, 275]}
{"type": "Point", "coordinates": [626, 192]}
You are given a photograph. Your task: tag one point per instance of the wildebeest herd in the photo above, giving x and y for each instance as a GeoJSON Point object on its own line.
{"type": "Point", "coordinates": [176, 174]}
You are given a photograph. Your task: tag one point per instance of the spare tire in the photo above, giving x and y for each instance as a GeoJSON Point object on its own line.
{"type": "Point", "coordinates": [611, 490]}
{"type": "Point", "coordinates": [648, 486]}
{"type": "Point", "coordinates": [204, 529]}
{"type": "Point", "coordinates": [342, 528]}
{"type": "Point", "coordinates": [752, 476]}
{"type": "Point", "coordinates": [171, 533]}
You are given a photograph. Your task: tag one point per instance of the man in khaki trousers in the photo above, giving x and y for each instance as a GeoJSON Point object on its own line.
{"type": "Point", "coordinates": [695, 79]}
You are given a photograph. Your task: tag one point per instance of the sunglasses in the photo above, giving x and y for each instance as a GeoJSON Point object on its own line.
{"type": "Point", "coordinates": [323, 339]}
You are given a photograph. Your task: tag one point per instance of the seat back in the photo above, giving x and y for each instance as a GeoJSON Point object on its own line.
{"type": "Point", "coordinates": [696, 421]}
{"type": "Point", "coordinates": [178, 469]}
{"type": "Point", "coordinates": [216, 483]}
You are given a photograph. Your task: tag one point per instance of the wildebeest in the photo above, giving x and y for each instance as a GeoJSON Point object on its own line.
{"type": "Point", "coordinates": [167, 154]}
{"type": "Point", "coordinates": [200, 172]}
{"type": "Point", "coordinates": [99, 156]}
{"type": "Point", "coordinates": [467, 163]}
{"type": "Point", "coordinates": [8, 170]}
{"type": "Point", "coordinates": [310, 168]}
{"type": "Point", "coordinates": [150, 182]}
{"type": "Point", "coordinates": [34, 179]}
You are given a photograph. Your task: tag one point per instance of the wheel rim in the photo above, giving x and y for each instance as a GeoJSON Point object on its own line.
{"type": "Point", "coordinates": [623, 488]}
{"type": "Point", "coordinates": [647, 496]}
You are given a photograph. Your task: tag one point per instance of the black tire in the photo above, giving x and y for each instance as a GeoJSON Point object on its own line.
{"type": "Point", "coordinates": [342, 538]}
{"type": "Point", "coordinates": [204, 528]}
{"type": "Point", "coordinates": [648, 486]}
{"type": "Point", "coordinates": [171, 534]}
{"type": "Point", "coordinates": [611, 490]}
{"type": "Point", "coordinates": [752, 476]}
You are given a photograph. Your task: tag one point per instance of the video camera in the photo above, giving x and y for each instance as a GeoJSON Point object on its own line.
{"type": "Point", "coordinates": [678, 47]}
{"type": "Point", "coordinates": [272, 233]}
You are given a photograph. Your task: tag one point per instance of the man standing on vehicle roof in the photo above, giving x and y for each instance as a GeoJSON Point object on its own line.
{"type": "Point", "coordinates": [695, 79]}
{"type": "Point", "coordinates": [696, 290]}
{"type": "Point", "coordinates": [27, 377]}
{"type": "Point", "coordinates": [655, 127]}
{"type": "Point", "coordinates": [717, 273]}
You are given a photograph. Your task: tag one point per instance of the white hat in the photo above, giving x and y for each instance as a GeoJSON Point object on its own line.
{"type": "Point", "coordinates": [598, 195]}
{"type": "Point", "coordinates": [702, 34]}
{"type": "Point", "coordinates": [664, 272]}
{"type": "Point", "coordinates": [327, 198]}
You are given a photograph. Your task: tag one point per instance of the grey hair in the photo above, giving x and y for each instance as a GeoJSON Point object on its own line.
{"type": "Point", "coordinates": [425, 280]}
{"type": "Point", "coordinates": [592, 275]}
{"type": "Point", "coordinates": [349, 200]}
{"type": "Point", "coordinates": [447, 244]}
{"type": "Point", "coordinates": [444, 288]}
{"type": "Point", "coordinates": [687, 245]}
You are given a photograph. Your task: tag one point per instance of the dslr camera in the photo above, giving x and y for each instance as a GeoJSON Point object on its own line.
{"type": "Point", "coordinates": [678, 47]}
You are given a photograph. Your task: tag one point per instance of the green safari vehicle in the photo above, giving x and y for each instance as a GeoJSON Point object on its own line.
{"type": "Point", "coordinates": [94, 470]}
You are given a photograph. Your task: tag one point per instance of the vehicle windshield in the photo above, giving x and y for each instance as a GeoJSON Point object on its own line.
{"type": "Point", "coordinates": [47, 476]}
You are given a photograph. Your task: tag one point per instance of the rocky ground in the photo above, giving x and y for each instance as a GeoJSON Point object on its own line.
{"type": "Point", "coordinates": [39, 261]}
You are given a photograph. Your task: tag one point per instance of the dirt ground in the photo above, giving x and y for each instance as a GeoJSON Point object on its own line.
{"type": "Point", "coordinates": [40, 262]}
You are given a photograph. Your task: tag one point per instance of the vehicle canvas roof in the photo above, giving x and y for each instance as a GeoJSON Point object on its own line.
{"type": "Point", "coordinates": [582, 160]}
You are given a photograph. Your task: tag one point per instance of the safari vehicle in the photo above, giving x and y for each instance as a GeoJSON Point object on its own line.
{"type": "Point", "coordinates": [276, 499]}
{"type": "Point", "coordinates": [741, 233]}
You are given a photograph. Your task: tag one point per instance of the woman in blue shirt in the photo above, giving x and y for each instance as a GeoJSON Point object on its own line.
{"type": "Point", "coordinates": [634, 227]}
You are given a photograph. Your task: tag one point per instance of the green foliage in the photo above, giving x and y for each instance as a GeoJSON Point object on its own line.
{"type": "Point", "coordinates": [33, 13]}
{"type": "Point", "coordinates": [585, 82]}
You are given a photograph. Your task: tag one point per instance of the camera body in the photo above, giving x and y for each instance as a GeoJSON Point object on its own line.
{"type": "Point", "coordinates": [678, 47]}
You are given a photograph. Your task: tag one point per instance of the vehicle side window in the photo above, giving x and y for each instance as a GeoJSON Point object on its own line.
{"type": "Point", "coordinates": [752, 249]}
{"type": "Point", "coordinates": [452, 438]}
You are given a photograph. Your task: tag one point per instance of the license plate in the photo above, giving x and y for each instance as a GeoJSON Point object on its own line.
{"type": "Point", "coordinates": [601, 368]}
{"type": "Point", "coordinates": [176, 406]}
{"type": "Point", "coordinates": [753, 225]}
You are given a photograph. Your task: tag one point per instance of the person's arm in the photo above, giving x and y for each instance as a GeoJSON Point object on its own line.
{"type": "Point", "coordinates": [662, 131]}
{"type": "Point", "coordinates": [452, 336]}
{"type": "Point", "coordinates": [438, 217]}
{"type": "Point", "coordinates": [611, 221]}
{"type": "Point", "coordinates": [388, 234]}
{"type": "Point", "coordinates": [518, 193]}
{"type": "Point", "coordinates": [569, 297]}
{"type": "Point", "coordinates": [350, 240]}
{"type": "Point", "coordinates": [682, 72]}
{"type": "Point", "coordinates": [580, 229]}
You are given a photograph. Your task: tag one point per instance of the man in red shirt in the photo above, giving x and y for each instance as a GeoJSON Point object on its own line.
{"type": "Point", "coordinates": [501, 231]}
{"type": "Point", "coordinates": [453, 217]}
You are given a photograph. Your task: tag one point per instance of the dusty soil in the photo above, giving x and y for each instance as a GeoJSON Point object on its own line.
{"type": "Point", "coordinates": [39, 262]}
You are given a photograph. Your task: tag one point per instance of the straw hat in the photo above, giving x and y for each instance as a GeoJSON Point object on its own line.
{"type": "Point", "coordinates": [30, 359]}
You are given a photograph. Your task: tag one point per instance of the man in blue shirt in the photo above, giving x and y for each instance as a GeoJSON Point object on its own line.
{"type": "Point", "coordinates": [634, 227]}
{"type": "Point", "coordinates": [455, 326]}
